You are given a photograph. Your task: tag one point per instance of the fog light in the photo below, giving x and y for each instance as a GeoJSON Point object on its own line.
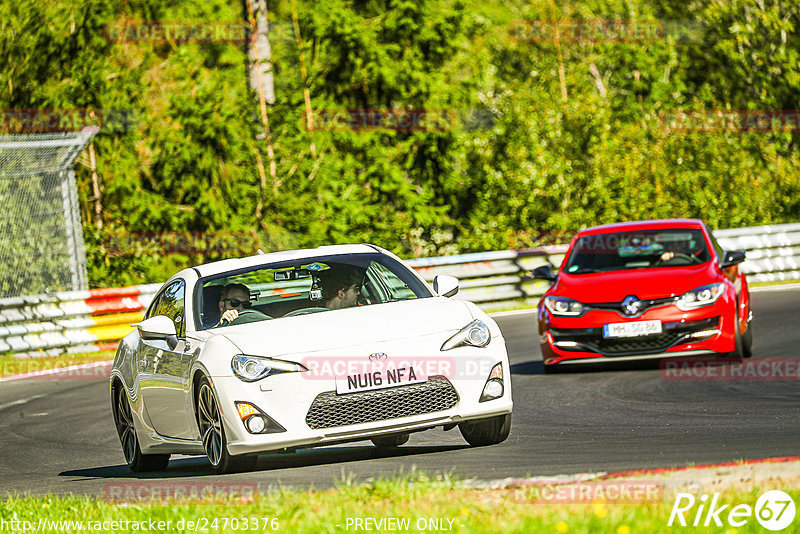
{"type": "Point", "coordinates": [565, 344]}
{"type": "Point", "coordinates": [494, 384]}
{"type": "Point", "coordinates": [705, 333]}
{"type": "Point", "coordinates": [256, 424]}
{"type": "Point", "coordinates": [256, 421]}
{"type": "Point", "coordinates": [492, 390]}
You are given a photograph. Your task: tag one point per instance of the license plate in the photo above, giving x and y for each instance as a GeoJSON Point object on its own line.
{"type": "Point", "coordinates": [634, 329]}
{"type": "Point", "coordinates": [378, 379]}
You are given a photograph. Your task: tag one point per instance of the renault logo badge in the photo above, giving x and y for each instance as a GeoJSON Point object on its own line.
{"type": "Point", "coordinates": [631, 305]}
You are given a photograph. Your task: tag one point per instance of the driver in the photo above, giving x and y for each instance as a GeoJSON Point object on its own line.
{"type": "Point", "coordinates": [341, 286]}
{"type": "Point", "coordinates": [667, 255]}
{"type": "Point", "coordinates": [233, 299]}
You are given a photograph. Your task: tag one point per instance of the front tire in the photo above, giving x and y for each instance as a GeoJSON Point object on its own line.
{"type": "Point", "coordinates": [123, 418]}
{"type": "Point", "coordinates": [738, 350]}
{"type": "Point", "coordinates": [747, 342]}
{"type": "Point", "coordinates": [488, 431]}
{"type": "Point", "coordinates": [212, 433]}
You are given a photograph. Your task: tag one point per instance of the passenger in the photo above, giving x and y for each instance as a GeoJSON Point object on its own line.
{"type": "Point", "coordinates": [341, 286]}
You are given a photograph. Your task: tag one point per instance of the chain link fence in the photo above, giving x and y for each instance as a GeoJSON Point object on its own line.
{"type": "Point", "coordinates": [41, 240]}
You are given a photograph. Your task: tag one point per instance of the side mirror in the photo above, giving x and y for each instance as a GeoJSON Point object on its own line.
{"type": "Point", "coordinates": [444, 285]}
{"type": "Point", "coordinates": [156, 328]}
{"type": "Point", "coordinates": [545, 272]}
{"type": "Point", "coordinates": [732, 257]}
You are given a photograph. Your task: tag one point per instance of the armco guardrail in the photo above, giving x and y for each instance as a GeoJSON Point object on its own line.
{"type": "Point", "coordinates": [773, 252]}
{"type": "Point", "coordinates": [85, 321]}
{"type": "Point", "coordinates": [494, 279]}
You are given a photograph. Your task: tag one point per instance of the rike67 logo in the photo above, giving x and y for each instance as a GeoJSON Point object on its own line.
{"type": "Point", "coordinates": [774, 510]}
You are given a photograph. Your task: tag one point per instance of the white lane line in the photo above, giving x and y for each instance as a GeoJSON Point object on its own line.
{"type": "Point", "coordinates": [59, 370]}
{"type": "Point", "coordinates": [18, 402]}
{"type": "Point", "coordinates": [512, 312]}
{"type": "Point", "coordinates": [778, 287]}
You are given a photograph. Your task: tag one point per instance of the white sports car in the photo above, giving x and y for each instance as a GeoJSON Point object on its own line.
{"type": "Point", "coordinates": [305, 348]}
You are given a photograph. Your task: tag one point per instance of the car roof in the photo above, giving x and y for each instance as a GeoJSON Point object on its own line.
{"type": "Point", "coordinates": [235, 264]}
{"type": "Point", "coordinates": [643, 225]}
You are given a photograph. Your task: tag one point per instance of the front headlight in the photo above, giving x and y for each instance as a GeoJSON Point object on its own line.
{"type": "Point", "coordinates": [475, 334]}
{"type": "Point", "coordinates": [701, 296]}
{"type": "Point", "coordinates": [252, 368]}
{"type": "Point", "coordinates": [563, 306]}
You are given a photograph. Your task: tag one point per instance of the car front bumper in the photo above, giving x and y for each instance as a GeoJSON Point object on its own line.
{"type": "Point", "coordinates": [298, 402]}
{"type": "Point", "coordinates": [704, 331]}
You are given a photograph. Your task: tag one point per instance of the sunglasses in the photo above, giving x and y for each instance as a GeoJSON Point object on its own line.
{"type": "Point", "coordinates": [235, 303]}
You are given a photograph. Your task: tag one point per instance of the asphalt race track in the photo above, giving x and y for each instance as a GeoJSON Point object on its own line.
{"type": "Point", "coordinates": [59, 437]}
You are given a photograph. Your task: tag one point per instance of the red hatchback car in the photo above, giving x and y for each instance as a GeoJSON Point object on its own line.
{"type": "Point", "coordinates": [650, 289]}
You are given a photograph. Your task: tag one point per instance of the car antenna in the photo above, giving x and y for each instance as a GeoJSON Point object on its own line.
{"type": "Point", "coordinates": [260, 252]}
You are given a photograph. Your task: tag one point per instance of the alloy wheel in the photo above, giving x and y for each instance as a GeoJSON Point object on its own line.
{"type": "Point", "coordinates": [125, 428]}
{"type": "Point", "coordinates": [210, 424]}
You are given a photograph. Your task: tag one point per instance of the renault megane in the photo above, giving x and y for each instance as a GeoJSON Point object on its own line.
{"type": "Point", "coordinates": [649, 289]}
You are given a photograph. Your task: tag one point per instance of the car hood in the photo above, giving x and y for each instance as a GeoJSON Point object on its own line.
{"type": "Point", "coordinates": [354, 326]}
{"type": "Point", "coordinates": [613, 286]}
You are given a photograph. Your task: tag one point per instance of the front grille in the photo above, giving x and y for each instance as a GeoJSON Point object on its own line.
{"type": "Point", "coordinates": [592, 340]}
{"type": "Point", "coordinates": [656, 342]}
{"type": "Point", "coordinates": [330, 410]}
{"type": "Point", "coordinates": [617, 306]}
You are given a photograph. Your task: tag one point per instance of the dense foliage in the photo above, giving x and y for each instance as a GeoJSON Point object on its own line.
{"type": "Point", "coordinates": [516, 157]}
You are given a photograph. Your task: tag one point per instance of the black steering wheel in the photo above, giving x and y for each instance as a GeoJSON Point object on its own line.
{"type": "Point", "coordinates": [248, 316]}
{"type": "Point", "coordinates": [680, 256]}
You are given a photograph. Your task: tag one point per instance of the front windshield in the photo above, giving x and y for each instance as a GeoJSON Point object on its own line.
{"type": "Point", "coordinates": [639, 249]}
{"type": "Point", "coordinates": [302, 287]}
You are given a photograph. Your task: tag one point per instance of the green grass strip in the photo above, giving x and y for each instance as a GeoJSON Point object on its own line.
{"type": "Point", "coordinates": [415, 503]}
